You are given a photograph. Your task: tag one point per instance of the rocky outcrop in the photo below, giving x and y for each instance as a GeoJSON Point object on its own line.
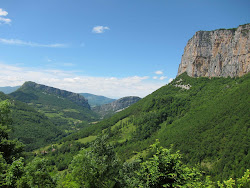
{"type": "Point", "coordinates": [74, 97]}
{"type": "Point", "coordinates": [219, 53]}
{"type": "Point", "coordinates": [115, 106]}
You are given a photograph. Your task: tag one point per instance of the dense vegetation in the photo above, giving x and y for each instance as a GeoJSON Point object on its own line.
{"type": "Point", "coordinates": [66, 114]}
{"type": "Point", "coordinates": [99, 166]}
{"type": "Point", "coordinates": [31, 127]}
{"type": "Point", "coordinates": [208, 123]}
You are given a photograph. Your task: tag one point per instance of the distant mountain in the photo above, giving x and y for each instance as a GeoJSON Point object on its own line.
{"type": "Point", "coordinates": [9, 89]}
{"type": "Point", "coordinates": [115, 106]}
{"type": "Point", "coordinates": [65, 109]}
{"type": "Point", "coordinates": [31, 127]}
{"type": "Point", "coordinates": [96, 100]}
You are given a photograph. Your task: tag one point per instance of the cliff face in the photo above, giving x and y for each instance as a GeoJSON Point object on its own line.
{"type": "Point", "coordinates": [74, 97]}
{"type": "Point", "coordinates": [115, 106]}
{"type": "Point", "coordinates": [218, 53]}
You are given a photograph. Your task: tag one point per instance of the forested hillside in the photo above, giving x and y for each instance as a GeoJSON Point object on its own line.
{"type": "Point", "coordinates": [206, 119]}
{"type": "Point", "coordinates": [68, 111]}
{"type": "Point", "coordinates": [203, 121]}
{"type": "Point", "coordinates": [30, 127]}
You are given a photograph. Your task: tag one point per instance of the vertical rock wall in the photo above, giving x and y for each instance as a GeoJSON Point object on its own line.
{"type": "Point", "coordinates": [219, 53]}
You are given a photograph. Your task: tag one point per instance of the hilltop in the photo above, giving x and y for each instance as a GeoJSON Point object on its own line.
{"type": "Point", "coordinates": [69, 111]}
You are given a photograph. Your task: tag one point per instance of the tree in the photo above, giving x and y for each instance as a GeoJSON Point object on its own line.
{"type": "Point", "coordinates": [163, 169]}
{"type": "Point", "coordinates": [37, 174]}
{"type": "Point", "coordinates": [10, 149]}
{"type": "Point", "coordinates": [97, 167]}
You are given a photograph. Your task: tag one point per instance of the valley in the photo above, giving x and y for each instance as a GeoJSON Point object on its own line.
{"type": "Point", "coordinates": [191, 132]}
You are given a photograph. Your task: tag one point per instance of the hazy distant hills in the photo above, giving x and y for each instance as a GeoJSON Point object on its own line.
{"type": "Point", "coordinates": [106, 110]}
{"type": "Point", "coordinates": [9, 89]}
{"type": "Point", "coordinates": [65, 109]}
{"type": "Point", "coordinates": [96, 100]}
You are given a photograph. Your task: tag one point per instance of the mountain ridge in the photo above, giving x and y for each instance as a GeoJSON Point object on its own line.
{"type": "Point", "coordinates": [115, 106]}
{"type": "Point", "coordinates": [74, 97]}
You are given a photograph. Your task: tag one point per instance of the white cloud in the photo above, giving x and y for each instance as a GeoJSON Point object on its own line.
{"type": "Point", "coordinates": [4, 20]}
{"type": "Point", "coordinates": [108, 86]}
{"type": "Point", "coordinates": [163, 77]}
{"type": "Point", "coordinates": [3, 12]}
{"type": "Point", "coordinates": [100, 29]}
{"type": "Point", "coordinates": [31, 44]}
{"type": "Point", "coordinates": [155, 77]}
{"type": "Point", "coordinates": [159, 72]}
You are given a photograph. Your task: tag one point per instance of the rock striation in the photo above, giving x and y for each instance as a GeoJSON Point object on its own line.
{"type": "Point", "coordinates": [74, 97]}
{"type": "Point", "coordinates": [218, 53]}
{"type": "Point", "coordinates": [115, 106]}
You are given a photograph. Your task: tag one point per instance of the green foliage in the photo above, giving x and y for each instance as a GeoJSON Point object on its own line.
{"type": "Point", "coordinates": [163, 169]}
{"type": "Point", "coordinates": [208, 123]}
{"type": "Point", "coordinates": [9, 149]}
{"type": "Point", "coordinates": [14, 173]}
{"type": "Point", "coordinates": [29, 126]}
{"type": "Point", "coordinates": [37, 174]}
{"type": "Point", "coordinates": [61, 111]}
{"type": "Point", "coordinates": [97, 167]}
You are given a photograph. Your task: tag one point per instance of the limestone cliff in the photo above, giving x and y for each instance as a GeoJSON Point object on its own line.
{"type": "Point", "coordinates": [115, 106]}
{"type": "Point", "coordinates": [218, 53]}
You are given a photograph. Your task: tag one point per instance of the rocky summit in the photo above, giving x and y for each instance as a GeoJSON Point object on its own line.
{"type": "Point", "coordinates": [218, 53]}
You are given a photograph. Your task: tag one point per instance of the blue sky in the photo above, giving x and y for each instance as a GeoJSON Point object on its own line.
{"type": "Point", "coordinates": [113, 48]}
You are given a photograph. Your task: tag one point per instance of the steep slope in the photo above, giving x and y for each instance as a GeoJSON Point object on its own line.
{"type": "Point", "coordinates": [223, 52]}
{"type": "Point", "coordinates": [206, 119]}
{"type": "Point", "coordinates": [9, 89]}
{"type": "Point", "coordinates": [107, 110]}
{"type": "Point", "coordinates": [65, 109]}
{"type": "Point", "coordinates": [31, 127]}
{"type": "Point", "coordinates": [96, 100]}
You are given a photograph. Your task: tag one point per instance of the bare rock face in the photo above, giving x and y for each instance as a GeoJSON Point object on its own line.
{"type": "Point", "coordinates": [115, 106]}
{"type": "Point", "coordinates": [219, 53]}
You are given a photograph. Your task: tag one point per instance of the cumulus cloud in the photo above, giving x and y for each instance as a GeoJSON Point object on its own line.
{"type": "Point", "coordinates": [69, 80]}
{"type": "Point", "coordinates": [31, 44]}
{"type": "Point", "coordinates": [159, 72]}
{"type": "Point", "coordinates": [155, 77]}
{"type": "Point", "coordinates": [100, 29]}
{"type": "Point", "coordinates": [3, 12]}
{"type": "Point", "coordinates": [2, 19]}
{"type": "Point", "coordinates": [163, 77]}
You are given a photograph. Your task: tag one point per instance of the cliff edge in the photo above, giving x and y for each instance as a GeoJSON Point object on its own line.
{"type": "Point", "coordinates": [218, 53]}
